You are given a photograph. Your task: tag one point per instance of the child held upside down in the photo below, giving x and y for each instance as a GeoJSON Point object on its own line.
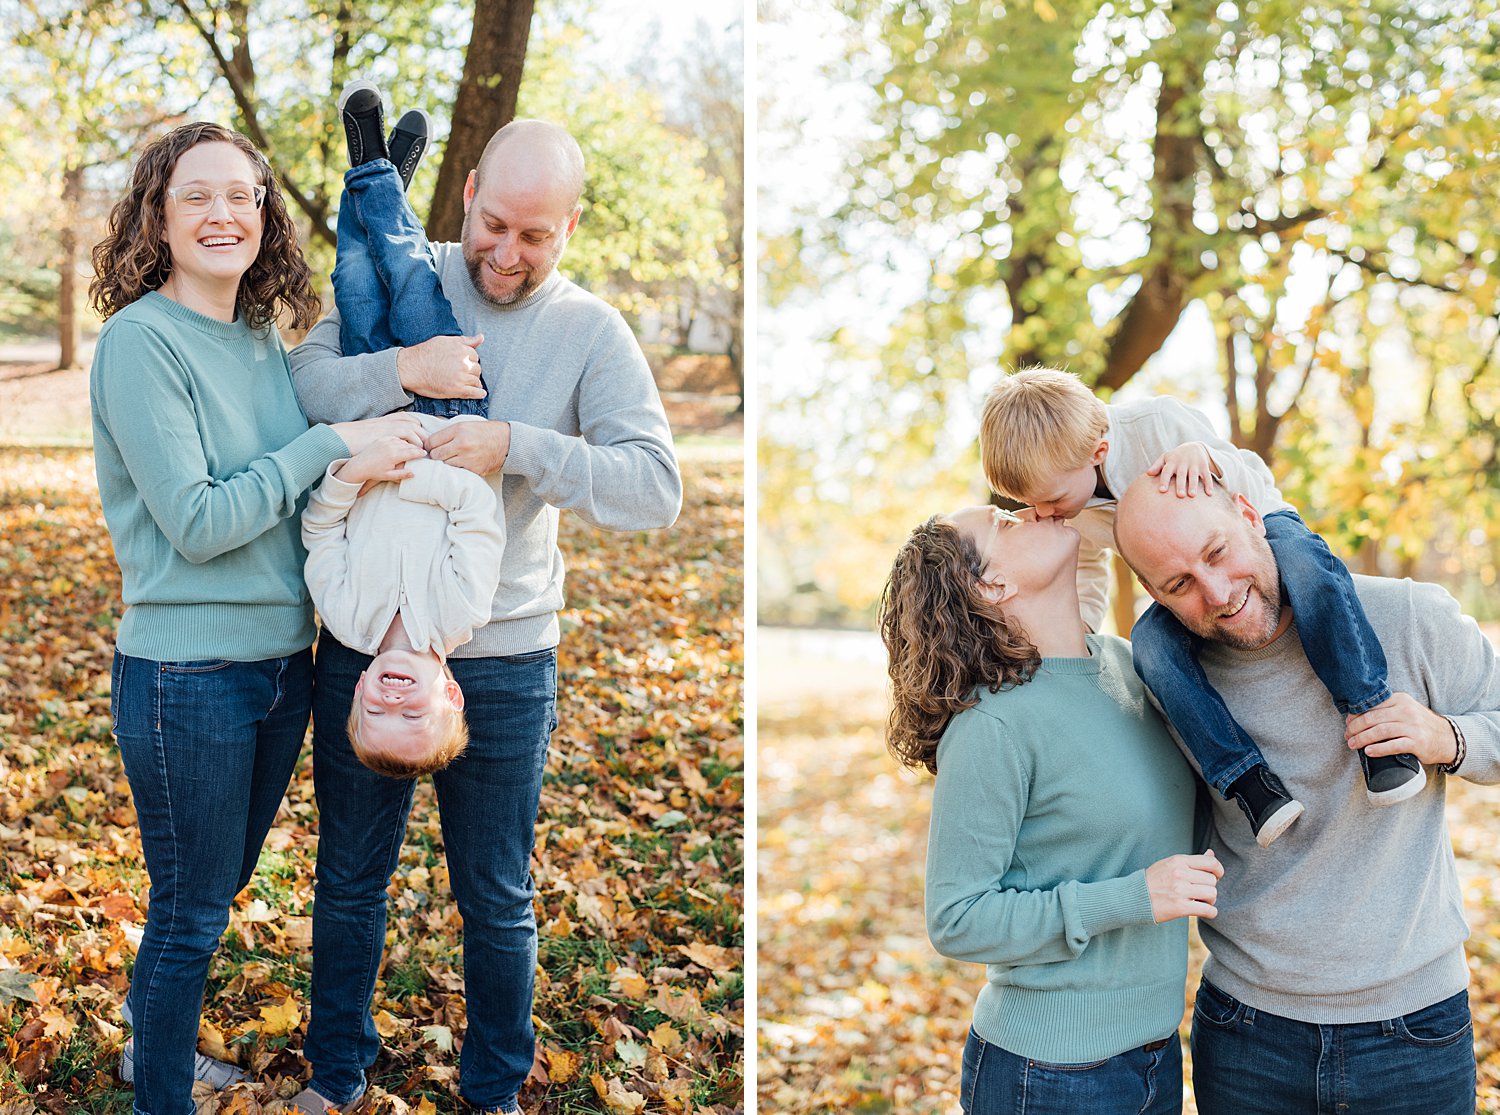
{"type": "Point", "coordinates": [403, 552]}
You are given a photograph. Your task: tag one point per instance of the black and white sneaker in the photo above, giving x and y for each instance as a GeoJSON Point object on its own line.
{"type": "Point", "coordinates": [409, 143]}
{"type": "Point", "coordinates": [364, 122]}
{"type": "Point", "coordinates": [1392, 778]}
{"type": "Point", "coordinates": [1264, 800]}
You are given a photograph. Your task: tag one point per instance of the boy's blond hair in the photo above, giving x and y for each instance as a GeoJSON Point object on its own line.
{"type": "Point", "coordinates": [453, 738]}
{"type": "Point", "coordinates": [1037, 423]}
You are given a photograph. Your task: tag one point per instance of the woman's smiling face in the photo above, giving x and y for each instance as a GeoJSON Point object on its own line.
{"type": "Point", "coordinates": [213, 248]}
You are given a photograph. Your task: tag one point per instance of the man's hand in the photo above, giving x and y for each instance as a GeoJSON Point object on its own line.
{"type": "Point", "coordinates": [1403, 724]}
{"type": "Point", "coordinates": [442, 368]}
{"type": "Point", "coordinates": [1190, 465]}
{"type": "Point", "coordinates": [383, 459]}
{"type": "Point", "coordinates": [480, 447]}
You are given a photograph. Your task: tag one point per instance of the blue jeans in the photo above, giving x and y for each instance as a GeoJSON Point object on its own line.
{"type": "Point", "coordinates": [1340, 645]}
{"type": "Point", "coordinates": [1249, 1062]}
{"type": "Point", "coordinates": [208, 748]}
{"type": "Point", "coordinates": [487, 802]}
{"type": "Point", "coordinates": [1146, 1081]}
{"type": "Point", "coordinates": [385, 282]}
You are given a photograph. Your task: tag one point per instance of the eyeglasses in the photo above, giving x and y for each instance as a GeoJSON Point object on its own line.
{"type": "Point", "coordinates": [200, 199]}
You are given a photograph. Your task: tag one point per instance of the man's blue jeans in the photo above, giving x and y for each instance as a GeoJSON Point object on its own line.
{"type": "Point", "coordinates": [1341, 647]}
{"type": "Point", "coordinates": [385, 281]}
{"type": "Point", "coordinates": [1249, 1062]}
{"type": "Point", "coordinates": [208, 748]}
{"type": "Point", "coordinates": [487, 802]}
{"type": "Point", "coordinates": [1145, 1081]}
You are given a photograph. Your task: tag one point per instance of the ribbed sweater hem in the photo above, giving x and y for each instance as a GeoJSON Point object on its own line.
{"type": "Point", "coordinates": [193, 632]}
{"type": "Point", "coordinates": [512, 636]}
{"type": "Point", "coordinates": [1444, 977]}
{"type": "Point", "coordinates": [1069, 1027]}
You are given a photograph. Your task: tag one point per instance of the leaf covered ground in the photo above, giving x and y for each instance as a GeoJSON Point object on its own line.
{"type": "Point", "coordinates": [856, 1012]}
{"type": "Point", "coordinates": [639, 864]}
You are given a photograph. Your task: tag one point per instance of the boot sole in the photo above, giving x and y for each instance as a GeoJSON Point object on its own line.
{"type": "Point", "coordinates": [1278, 822]}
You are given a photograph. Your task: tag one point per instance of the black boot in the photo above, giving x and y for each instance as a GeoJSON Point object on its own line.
{"type": "Point", "coordinates": [409, 143]}
{"type": "Point", "coordinates": [1265, 802]}
{"type": "Point", "coordinates": [1391, 778]}
{"type": "Point", "coordinates": [364, 122]}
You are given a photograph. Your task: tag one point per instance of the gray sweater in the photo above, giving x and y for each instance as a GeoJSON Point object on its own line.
{"type": "Point", "coordinates": [587, 431]}
{"type": "Point", "coordinates": [1355, 914]}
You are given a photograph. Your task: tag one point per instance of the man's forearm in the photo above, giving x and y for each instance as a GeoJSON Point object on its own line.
{"type": "Point", "coordinates": [333, 387]}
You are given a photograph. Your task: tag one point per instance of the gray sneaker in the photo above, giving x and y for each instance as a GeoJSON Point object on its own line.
{"type": "Point", "coordinates": [218, 1074]}
{"type": "Point", "coordinates": [308, 1102]}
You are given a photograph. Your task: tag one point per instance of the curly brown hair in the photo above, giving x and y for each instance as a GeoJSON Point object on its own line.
{"type": "Point", "coordinates": [133, 257]}
{"type": "Point", "coordinates": [943, 640]}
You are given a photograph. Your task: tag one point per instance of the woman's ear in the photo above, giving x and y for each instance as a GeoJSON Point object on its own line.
{"type": "Point", "coordinates": [995, 592]}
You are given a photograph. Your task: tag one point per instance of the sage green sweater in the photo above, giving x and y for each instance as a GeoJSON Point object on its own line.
{"type": "Point", "coordinates": [203, 456]}
{"type": "Point", "coordinates": [1052, 799]}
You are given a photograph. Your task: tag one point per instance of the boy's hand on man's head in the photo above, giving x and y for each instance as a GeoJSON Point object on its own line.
{"type": "Point", "coordinates": [442, 368]}
{"type": "Point", "coordinates": [1190, 466]}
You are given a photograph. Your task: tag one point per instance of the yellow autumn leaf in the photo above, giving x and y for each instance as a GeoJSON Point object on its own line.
{"type": "Point", "coordinates": [426, 1107]}
{"type": "Point", "coordinates": [387, 1025]}
{"type": "Point", "coordinates": [562, 1065]}
{"type": "Point", "coordinates": [629, 983]}
{"type": "Point", "coordinates": [282, 1018]}
{"type": "Point", "coordinates": [666, 1038]}
{"type": "Point", "coordinates": [716, 958]}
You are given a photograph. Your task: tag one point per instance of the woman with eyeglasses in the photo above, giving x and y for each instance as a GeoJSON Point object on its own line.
{"type": "Point", "coordinates": [203, 458]}
{"type": "Point", "coordinates": [1062, 819]}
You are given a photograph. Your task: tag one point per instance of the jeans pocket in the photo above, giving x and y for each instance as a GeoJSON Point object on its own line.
{"type": "Point", "coordinates": [116, 691]}
{"type": "Point", "coordinates": [1440, 1024]}
{"type": "Point", "coordinates": [1214, 1008]}
{"type": "Point", "coordinates": [529, 656]}
{"type": "Point", "coordinates": [1085, 1066]}
{"type": "Point", "coordinates": [969, 1076]}
{"type": "Point", "coordinates": [200, 666]}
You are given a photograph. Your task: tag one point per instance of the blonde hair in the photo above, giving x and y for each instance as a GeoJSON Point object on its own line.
{"type": "Point", "coordinates": [1036, 424]}
{"type": "Point", "coordinates": [452, 739]}
{"type": "Point", "coordinates": [943, 640]}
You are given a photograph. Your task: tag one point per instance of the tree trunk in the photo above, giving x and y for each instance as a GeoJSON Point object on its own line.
{"type": "Point", "coordinates": [67, 287]}
{"type": "Point", "coordinates": [1122, 599]}
{"type": "Point", "coordinates": [486, 102]}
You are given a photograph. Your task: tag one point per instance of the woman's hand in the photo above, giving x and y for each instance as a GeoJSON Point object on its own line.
{"type": "Point", "coordinates": [1183, 885]}
{"type": "Point", "coordinates": [381, 460]}
{"type": "Point", "coordinates": [1190, 465]}
{"type": "Point", "coordinates": [360, 435]}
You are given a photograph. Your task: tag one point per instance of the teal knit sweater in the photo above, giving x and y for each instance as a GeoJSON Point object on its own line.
{"type": "Point", "coordinates": [203, 456]}
{"type": "Point", "coordinates": [1052, 799]}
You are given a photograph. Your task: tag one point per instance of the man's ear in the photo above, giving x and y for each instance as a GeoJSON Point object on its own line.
{"type": "Point", "coordinates": [1248, 512]}
{"type": "Point", "coordinates": [468, 192]}
{"type": "Point", "coordinates": [572, 226]}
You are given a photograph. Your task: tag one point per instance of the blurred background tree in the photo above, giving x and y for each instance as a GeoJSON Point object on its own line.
{"type": "Point", "coordinates": [1277, 211]}
{"type": "Point", "coordinates": [87, 84]}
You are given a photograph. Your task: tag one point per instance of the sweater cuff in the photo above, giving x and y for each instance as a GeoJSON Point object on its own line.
{"type": "Point", "coordinates": [526, 454]}
{"type": "Point", "coordinates": [1114, 904]}
{"type": "Point", "coordinates": [1482, 749]}
{"type": "Point", "coordinates": [307, 456]}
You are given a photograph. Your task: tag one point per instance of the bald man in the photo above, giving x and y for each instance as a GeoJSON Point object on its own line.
{"type": "Point", "coordinates": [574, 421]}
{"type": "Point", "coordinates": [1336, 979]}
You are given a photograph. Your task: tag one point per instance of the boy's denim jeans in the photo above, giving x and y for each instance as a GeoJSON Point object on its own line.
{"type": "Point", "coordinates": [1341, 647]}
{"type": "Point", "coordinates": [1146, 1081]}
{"type": "Point", "coordinates": [1249, 1062]}
{"type": "Point", "coordinates": [208, 748]}
{"type": "Point", "coordinates": [487, 803]}
{"type": "Point", "coordinates": [385, 281]}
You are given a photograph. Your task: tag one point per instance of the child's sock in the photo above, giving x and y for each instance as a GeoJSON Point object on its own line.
{"type": "Point", "coordinates": [1267, 805]}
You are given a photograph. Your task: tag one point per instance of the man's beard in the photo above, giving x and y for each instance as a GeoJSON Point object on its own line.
{"type": "Point", "coordinates": [476, 264]}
